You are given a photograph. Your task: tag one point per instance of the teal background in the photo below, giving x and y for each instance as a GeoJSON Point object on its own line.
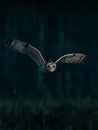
{"type": "Point", "coordinates": [66, 99]}
{"type": "Point", "coordinates": [55, 29]}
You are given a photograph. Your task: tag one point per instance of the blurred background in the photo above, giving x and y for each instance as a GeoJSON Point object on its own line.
{"type": "Point", "coordinates": [55, 29]}
{"type": "Point", "coordinates": [66, 99]}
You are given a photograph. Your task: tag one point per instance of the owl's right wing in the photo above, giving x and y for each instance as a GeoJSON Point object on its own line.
{"type": "Point", "coordinates": [72, 58]}
{"type": "Point", "coordinates": [29, 50]}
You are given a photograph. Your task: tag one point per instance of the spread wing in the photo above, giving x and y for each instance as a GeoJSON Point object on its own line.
{"type": "Point", "coordinates": [27, 49]}
{"type": "Point", "coordinates": [72, 58]}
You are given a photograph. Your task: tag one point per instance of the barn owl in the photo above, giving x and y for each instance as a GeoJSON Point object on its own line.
{"type": "Point", "coordinates": [35, 54]}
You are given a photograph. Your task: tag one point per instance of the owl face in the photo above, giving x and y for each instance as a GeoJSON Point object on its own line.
{"type": "Point", "coordinates": [50, 66]}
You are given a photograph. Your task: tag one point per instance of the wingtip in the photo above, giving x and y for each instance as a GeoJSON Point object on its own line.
{"type": "Point", "coordinates": [84, 58]}
{"type": "Point", "coordinates": [8, 42]}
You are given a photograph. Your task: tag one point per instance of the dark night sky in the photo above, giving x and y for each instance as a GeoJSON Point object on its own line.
{"type": "Point", "coordinates": [55, 28]}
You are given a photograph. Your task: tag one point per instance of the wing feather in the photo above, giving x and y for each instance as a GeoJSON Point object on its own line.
{"type": "Point", "coordinates": [72, 58]}
{"type": "Point", "coordinates": [27, 49]}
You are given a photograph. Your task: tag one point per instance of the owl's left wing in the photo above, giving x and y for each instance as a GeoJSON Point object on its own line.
{"type": "Point", "coordinates": [29, 50]}
{"type": "Point", "coordinates": [72, 58]}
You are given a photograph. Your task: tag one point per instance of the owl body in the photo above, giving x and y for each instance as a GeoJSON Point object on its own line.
{"type": "Point", "coordinates": [34, 53]}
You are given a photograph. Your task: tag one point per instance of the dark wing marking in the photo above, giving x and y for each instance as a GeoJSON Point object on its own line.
{"type": "Point", "coordinates": [72, 58]}
{"type": "Point", "coordinates": [27, 49]}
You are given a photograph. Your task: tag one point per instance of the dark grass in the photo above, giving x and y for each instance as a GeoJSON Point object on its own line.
{"type": "Point", "coordinates": [25, 115]}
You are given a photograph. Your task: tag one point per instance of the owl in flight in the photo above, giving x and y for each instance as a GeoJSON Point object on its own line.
{"type": "Point", "coordinates": [35, 54]}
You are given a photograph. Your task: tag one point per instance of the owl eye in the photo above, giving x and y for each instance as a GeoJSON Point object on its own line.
{"type": "Point", "coordinates": [9, 42]}
{"type": "Point", "coordinates": [48, 66]}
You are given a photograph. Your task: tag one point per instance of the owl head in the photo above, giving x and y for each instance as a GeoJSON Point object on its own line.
{"type": "Point", "coordinates": [51, 66]}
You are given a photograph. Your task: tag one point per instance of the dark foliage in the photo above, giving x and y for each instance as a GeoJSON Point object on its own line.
{"type": "Point", "coordinates": [25, 116]}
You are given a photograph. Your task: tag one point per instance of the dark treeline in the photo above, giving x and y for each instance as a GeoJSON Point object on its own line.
{"type": "Point", "coordinates": [25, 116]}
